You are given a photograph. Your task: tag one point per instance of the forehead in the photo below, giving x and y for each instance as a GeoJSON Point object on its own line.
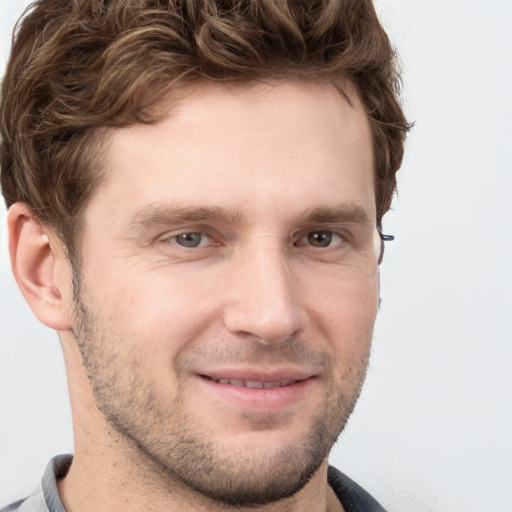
{"type": "Point", "coordinates": [244, 146]}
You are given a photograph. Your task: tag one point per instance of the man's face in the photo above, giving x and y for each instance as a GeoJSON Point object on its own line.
{"type": "Point", "coordinates": [229, 286]}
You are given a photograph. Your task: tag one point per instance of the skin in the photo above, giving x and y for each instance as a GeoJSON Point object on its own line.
{"type": "Point", "coordinates": [281, 288]}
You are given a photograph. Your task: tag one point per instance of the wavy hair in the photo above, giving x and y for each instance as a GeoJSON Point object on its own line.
{"type": "Point", "coordinates": [79, 66]}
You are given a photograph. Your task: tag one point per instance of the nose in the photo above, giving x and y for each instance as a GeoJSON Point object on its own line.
{"type": "Point", "coordinates": [263, 298]}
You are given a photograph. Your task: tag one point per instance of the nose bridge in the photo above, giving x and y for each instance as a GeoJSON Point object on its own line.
{"type": "Point", "coordinates": [263, 299]}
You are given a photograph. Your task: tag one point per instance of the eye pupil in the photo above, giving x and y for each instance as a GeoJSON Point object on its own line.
{"type": "Point", "coordinates": [320, 238]}
{"type": "Point", "coordinates": [189, 239]}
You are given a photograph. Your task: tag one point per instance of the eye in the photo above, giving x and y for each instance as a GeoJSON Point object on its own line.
{"type": "Point", "coordinates": [320, 239]}
{"type": "Point", "coordinates": [191, 240]}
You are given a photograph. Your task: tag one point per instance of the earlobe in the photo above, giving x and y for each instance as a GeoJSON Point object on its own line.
{"type": "Point", "coordinates": [40, 267]}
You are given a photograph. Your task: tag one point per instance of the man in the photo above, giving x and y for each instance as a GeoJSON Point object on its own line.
{"type": "Point", "coordinates": [195, 194]}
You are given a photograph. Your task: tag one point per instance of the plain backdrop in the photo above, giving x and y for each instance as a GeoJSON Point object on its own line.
{"type": "Point", "coordinates": [433, 429]}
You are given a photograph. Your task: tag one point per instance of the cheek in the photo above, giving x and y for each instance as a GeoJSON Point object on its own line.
{"type": "Point", "coordinates": [344, 311]}
{"type": "Point", "coordinates": [158, 313]}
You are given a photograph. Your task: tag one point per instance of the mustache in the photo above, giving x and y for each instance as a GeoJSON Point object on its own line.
{"type": "Point", "coordinates": [250, 351]}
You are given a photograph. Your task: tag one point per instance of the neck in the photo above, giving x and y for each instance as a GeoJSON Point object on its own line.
{"type": "Point", "coordinates": [107, 484]}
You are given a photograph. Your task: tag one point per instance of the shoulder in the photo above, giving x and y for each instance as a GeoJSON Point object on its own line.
{"type": "Point", "coordinates": [351, 495]}
{"type": "Point", "coordinates": [33, 503]}
{"type": "Point", "coordinates": [46, 497]}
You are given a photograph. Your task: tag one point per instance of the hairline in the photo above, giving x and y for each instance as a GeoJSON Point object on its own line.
{"type": "Point", "coordinates": [100, 136]}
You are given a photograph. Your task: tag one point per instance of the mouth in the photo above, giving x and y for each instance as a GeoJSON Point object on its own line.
{"type": "Point", "coordinates": [258, 391]}
{"type": "Point", "coordinates": [253, 384]}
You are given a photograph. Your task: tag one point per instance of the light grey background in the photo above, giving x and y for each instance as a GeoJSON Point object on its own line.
{"type": "Point", "coordinates": [433, 429]}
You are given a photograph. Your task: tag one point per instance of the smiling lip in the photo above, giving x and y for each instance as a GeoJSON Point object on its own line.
{"type": "Point", "coordinates": [251, 389]}
{"type": "Point", "coordinates": [255, 384]}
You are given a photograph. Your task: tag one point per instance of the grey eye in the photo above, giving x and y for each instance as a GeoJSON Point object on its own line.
{"type": "Point", "coordinates": [190, 240]}
{"type": "Point", "coordinates": [319, 238]}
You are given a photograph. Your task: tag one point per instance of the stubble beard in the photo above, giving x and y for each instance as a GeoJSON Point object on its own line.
{"type": "Point", "coordinates": [161, 435]}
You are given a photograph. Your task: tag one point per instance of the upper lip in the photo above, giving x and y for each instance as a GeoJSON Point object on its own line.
{"type": "Point", "coordinates": [259, 374]}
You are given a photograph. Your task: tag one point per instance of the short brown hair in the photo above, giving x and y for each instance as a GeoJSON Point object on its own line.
{"type": "Point", "coordinates": [77, 66]}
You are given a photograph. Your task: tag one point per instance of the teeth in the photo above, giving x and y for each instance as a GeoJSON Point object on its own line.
{"type": "Point", "coordinates": [254, 384]}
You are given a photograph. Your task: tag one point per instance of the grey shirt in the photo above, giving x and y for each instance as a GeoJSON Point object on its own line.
{"type": "Point", "coordinates": [46, 499]}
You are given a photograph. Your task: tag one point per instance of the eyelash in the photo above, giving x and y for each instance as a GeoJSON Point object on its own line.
{"type": "Point", "coordinates": [174, 239]}
{"type": "Point", "coordinates": [303, 240]}
{"type": "Point", "coordinates": [331, 236]}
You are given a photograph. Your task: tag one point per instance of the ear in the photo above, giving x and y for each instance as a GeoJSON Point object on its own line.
{"type": "Point", "coordinates": [381, 252]}
{"type": "Point", "coordinates": [40, 267]}
{"type": "Point", "coordinates": [378, 246]}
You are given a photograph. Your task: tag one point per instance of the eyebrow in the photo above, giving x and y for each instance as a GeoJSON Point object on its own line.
{"type": "Point", "coordinates": [157, 215]}
{"type": "Point", "coordinates": [350, 213]}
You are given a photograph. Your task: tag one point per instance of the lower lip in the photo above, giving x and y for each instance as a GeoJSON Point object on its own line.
{"type": "Point", "coordinates": [258, 398]}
